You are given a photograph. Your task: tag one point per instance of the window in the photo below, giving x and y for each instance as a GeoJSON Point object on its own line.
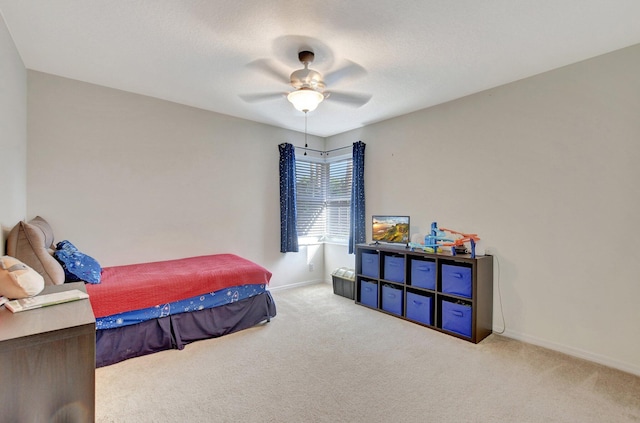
{"type": "Point", "coordinates": [310, 195]}
{"type": "Point", "coordinates": [323, 191]}
{"type": "Point", "coordinates": [338, 200]}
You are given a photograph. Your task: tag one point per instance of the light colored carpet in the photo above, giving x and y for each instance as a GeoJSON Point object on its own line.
{"type": "Point", "coordinates": [325, 359]}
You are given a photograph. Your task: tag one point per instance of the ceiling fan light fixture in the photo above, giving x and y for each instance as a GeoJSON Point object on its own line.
{"type": "Point", "coordinates": [305, 99]}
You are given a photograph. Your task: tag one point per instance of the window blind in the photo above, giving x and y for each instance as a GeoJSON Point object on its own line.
{"type": "Point", "coordinates": [338, 200]}
{"type": "Point", "coordinates": [323, 193]}
{"type": "Point", "coordinates": [310, 192]}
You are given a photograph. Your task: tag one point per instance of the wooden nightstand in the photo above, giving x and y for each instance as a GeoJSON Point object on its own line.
{"type": "Point", "coordinates": [48, 362]}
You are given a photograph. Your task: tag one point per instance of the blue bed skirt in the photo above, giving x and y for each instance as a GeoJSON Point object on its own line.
{"type": "Point", "coordinates": [177, 330]}
{"type": "Point", "coordinates": [199, 302]}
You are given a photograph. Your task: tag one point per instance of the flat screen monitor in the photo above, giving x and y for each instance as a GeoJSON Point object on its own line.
{"type": "Point", "coordinates": [391, 229]}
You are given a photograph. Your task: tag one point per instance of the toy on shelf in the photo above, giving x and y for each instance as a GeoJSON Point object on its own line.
{"type": "Point", "coordinates": [438, 238]}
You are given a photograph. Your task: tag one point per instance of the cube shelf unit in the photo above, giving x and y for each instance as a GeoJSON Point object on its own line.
{"type": "Point", "coordinates": [447, 293]}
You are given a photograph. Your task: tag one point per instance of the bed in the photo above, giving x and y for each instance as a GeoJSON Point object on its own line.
{"type": "Point", "coordinates": [149, 307]}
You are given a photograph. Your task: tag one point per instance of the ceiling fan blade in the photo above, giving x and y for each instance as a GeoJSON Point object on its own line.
{"type": "Point", "coordinates": [350, 70]}
{"type": "Point", "coordinates": [350, 99]}
{"type": "Point", "coordinates": [267, 67]}
{"type": "Point", "coordinates": [255, 98]}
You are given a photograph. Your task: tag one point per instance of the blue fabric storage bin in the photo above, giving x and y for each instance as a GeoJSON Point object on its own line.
{"type": "Point", "coordinates": [369, 293]}
{"type": "Point", "coordinates": [423, 274]}
{"type": "Point", "coordinates": [456, 280]}
{"type": "Point", "coordinates": [419, 308]}
{"type": "Point", "coordinates": [370, 264]}
{"type": "Point", "coordinates": [394, 268]}
{"type": "Point", "coordinates": [392, 299]}
{"type": "Point", "coordinates": [456, 318]}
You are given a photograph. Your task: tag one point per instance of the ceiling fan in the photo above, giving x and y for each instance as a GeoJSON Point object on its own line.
{"type": "Point", "coordinates": [309, 85]}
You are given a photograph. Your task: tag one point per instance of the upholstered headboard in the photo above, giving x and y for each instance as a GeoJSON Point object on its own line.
{"type": "Point", "coordinates": [32, 243]}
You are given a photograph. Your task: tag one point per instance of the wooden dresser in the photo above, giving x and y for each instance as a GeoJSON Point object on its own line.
{"type": "Point", "coordinates": [47, 356]}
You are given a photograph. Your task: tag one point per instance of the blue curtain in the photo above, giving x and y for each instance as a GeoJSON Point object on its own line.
{"type": "Point", "coordinates": [288, 231]}
{"type": "Point", "coordinates": [357, 231]}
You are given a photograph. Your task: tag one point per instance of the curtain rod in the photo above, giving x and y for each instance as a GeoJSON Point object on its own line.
{"type": "Point", "coordinates": [324, 152]}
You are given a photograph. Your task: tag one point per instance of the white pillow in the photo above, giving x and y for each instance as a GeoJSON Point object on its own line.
{"type": "Point", "coordinates": [17, 280]}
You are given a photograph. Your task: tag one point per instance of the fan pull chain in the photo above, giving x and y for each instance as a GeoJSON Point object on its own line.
{"type": "Point", "coordinates": [305, 132]}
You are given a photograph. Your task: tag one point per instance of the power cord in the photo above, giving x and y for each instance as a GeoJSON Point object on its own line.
{"type": "Point", "coordinates": [504, 323]}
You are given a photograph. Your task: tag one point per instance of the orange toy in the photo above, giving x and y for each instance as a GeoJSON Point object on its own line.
{"type": "Point", "coordinates": [470, 238]}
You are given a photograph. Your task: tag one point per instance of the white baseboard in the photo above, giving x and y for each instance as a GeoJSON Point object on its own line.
{"type": "Point", "coordinates": [295, 285]}
{"type": "Point", "coordinates": [575, 352]}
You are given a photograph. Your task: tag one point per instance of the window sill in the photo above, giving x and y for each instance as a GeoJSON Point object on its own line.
{"type": "Point", "coordinates": [344, 244]}
{"type": "Point", "coordinates": [308, 243]}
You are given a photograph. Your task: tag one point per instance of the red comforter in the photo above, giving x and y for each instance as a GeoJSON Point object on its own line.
{"type": "Point", "coordinates": [136, 286]}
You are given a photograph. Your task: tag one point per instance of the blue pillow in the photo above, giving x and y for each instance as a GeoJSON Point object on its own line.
{"type": "Point", "coordinates": [77, 266]}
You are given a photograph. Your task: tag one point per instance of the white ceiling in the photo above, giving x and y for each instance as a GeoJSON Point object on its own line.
{"type": "Point", "coordinates": [415, 53]}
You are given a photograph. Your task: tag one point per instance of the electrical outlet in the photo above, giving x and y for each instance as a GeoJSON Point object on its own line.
{"type": "Point", "coordinates": [311, 267]}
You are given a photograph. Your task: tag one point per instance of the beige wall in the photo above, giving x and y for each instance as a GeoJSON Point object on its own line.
{"type": "Point", "coordinates": [546, 171]}
{"type": "Point", "coordinates": [130, 179]}
{"type": "Point", "coordinates": [13, 135]}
